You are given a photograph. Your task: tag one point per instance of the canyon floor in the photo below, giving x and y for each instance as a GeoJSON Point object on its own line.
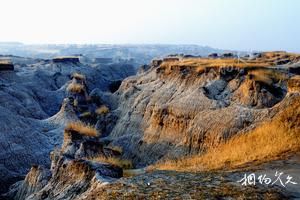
{"type": "Point", "coordinates": [180, 127]}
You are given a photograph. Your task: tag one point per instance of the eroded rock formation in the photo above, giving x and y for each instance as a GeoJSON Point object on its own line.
{"type": "Point", "coordinates": [34, 112]}
{"type": "Point", "coordinates": [184, 107]}
{"type": "Point", "coordinates": [170, 109]}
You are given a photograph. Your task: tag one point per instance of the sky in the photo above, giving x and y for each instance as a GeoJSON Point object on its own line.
{"type": "Point", "coordinates": [225, 24]}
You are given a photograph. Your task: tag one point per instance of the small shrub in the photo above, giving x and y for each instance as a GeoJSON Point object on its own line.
{"type": "Point", "coordinates": [82, 129]}
{"type": "Point", "coordinates": [75, 88]}
{"type": "Point", "coordinates": [102, 110]}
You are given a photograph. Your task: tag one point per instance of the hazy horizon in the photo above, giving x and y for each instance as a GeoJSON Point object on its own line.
{"type": "Point", "coordinates": [230, 25]}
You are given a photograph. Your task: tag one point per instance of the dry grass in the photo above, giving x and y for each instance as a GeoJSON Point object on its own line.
{"type": "Point", "coordinates": [82, 129]}
{"type": "Point", "coordinates": [116, 148]}
{"type": "Point", "coordinates": [268, 59]}
{"type": "Point", "coordinates": [279, 55]}
{"type": "Point", "coordinates": [124, 164]}
{"type": "Point", "coordinates": [78, 76]}
{"type": "Point", "coordinates": [268, 76]}
{"type": "Point", "coordinates": [294, 84]}
{"type": "Point", "coordinates": [86, 114]}
{"type": "Point", "coordinates": [75, 88]}
{"type": "Point", "coordinates": [272, 139]}
{"type": "Point", "coordinates": [221, 62]}
{"type": "Point", "coordinates": [102, 110]}
{"type": "Point", "coordinates": [133, 172]}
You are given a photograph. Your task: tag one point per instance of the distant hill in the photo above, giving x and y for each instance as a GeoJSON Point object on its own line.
{"type": "Point", "coordinates": [142, 54]}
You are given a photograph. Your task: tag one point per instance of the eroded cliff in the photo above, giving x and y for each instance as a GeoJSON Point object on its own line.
{"type": "Point", "coordinates": [183, 107]}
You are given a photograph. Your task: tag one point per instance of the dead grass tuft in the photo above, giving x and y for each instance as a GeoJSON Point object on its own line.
{"type": "Point", "coordinates": [116, 148]}
{"type": "Point", "coordinates": [75, 88]}
{"type": "Point", "coordinates": [102, 110]}
{"type": "Point", "coordinates": [82, 129]}
{"type": "Point", "coordinates": [123, 163]}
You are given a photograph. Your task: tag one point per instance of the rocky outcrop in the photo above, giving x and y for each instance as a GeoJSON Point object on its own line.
{"type": "Point", "coordinates": [70, 179]}
{"type": "Point", "coordinates": [76, 145]}
{"type": "Point", "coordinates": [156, 62]}
{"type": "Point", "coordinates": [34, 181]}
{"type": "Point", "coordinates": [65, 115]}
{"type": "Point", "coordinates": [73, 170]}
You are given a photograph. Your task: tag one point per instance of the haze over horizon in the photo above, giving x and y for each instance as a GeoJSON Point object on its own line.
{"type": "Point", "coordinates": [233, 24]}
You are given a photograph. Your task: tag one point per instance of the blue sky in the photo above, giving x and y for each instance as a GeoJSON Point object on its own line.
{"type": "Point", "coordinates": [226, 24]}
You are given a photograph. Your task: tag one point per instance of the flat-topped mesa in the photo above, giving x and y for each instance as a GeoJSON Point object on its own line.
{"type": "Point", "coordinates": [281, 60]}
{"type": "Point", "coordinates": [66, 59]}
{"type": "Point", "coordinates": [228, 55]}
{"type": "Point", "coordinates": [6, 65]}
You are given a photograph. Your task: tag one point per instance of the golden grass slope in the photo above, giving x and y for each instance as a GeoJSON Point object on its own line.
{"type": "Point", "coordinates": [275, 138]}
